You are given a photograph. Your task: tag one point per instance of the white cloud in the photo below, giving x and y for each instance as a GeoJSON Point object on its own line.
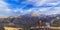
{"type": "Point", "coordinates": [40, 2]}
{"type": "Point", "coordinates": [4, 9]}
{"type": "Point", "coordinates": [55, 10]}
{"type": "Point", "coordinates": [49, 10]}
{"type": "Point", "coordinates": [37, 2]}
{"type": "Point", "coordinates": [53, 3]}
{"type": "Point", "coordinates": [43, 10]}
{"type": "Point", "coordinates": [3, 6]}
{"type": "Point", "coordinates": [44, 2]}
{"type": "Point", "coordinates": [46, 11]}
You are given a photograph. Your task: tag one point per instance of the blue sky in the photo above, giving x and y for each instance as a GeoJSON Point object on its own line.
{"type": "Point", "coordinates": [22, 7]}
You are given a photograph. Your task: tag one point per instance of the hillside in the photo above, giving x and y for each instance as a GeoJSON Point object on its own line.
{"type": "Point", "coordinates": [27, 20]}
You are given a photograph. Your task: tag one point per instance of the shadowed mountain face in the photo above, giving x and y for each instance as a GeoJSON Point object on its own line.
{"type": "Point", "coordinates": [21, 20]}
{"type": "Point", "coordinates": [28, 20]}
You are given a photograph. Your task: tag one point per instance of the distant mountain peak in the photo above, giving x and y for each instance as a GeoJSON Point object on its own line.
{"type": "Point", "coordinates": [34, 14]}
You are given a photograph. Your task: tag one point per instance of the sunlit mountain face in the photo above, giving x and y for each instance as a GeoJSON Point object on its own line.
{"type": "Point", "coordinates": [22, 7]}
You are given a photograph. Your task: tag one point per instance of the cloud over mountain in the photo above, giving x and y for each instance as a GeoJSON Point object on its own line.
{"type": "Point", "coordinates": [21, 7]}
